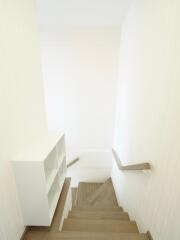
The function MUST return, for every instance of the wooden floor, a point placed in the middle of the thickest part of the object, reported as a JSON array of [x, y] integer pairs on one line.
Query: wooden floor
[[85, 190], [103, 196]]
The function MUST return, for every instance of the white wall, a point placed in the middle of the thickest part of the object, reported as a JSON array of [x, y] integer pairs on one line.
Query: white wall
[[80, 72], [148, 116], [21, 102], [56, 14]]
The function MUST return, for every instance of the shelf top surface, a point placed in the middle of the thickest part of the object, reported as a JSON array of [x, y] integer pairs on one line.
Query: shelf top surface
[[39, 150]]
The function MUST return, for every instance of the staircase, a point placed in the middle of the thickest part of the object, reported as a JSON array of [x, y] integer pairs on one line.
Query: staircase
[[96, 215]]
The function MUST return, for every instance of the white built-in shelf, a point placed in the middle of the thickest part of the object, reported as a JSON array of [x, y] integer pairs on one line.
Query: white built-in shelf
[[40, 173]]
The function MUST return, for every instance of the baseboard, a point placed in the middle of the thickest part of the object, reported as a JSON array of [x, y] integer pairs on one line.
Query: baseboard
[[149, 235]]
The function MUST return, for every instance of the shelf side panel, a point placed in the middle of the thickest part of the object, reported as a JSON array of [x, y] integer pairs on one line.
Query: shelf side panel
[[32, 193]]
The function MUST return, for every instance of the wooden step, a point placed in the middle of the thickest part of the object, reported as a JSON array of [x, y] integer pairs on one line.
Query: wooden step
[[85, 225], [85, 190], [103, 196], [70, 235], [98, 208], [99, 215]]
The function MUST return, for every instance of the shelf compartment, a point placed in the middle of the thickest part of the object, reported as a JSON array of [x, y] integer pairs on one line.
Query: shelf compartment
[[61, 159], [50, 164], [54, 189], [60, 149], [54, 205], [62, 173], [51, 179]]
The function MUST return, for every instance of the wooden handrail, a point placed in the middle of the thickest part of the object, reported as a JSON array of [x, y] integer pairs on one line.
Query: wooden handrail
[[134, 167], [72, 162]]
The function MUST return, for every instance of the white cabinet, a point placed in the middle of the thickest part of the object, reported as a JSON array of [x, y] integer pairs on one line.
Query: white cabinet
[[40, 172]]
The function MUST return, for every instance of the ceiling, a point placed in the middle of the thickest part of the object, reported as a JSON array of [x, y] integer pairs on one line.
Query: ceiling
[[54, 14]]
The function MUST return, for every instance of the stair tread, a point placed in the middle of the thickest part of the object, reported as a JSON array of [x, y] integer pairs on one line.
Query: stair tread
[[99, 215], [94, 211], [100, 225], [97, 221], [99, 208], [70, 235]]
